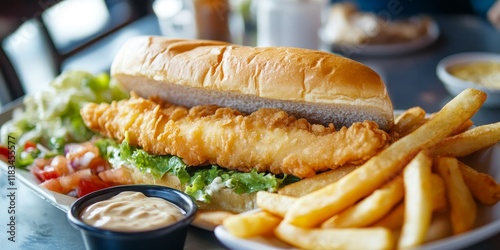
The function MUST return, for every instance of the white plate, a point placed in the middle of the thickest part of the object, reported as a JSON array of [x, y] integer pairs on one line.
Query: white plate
[[382, 49], [487, 223], [63, 202]]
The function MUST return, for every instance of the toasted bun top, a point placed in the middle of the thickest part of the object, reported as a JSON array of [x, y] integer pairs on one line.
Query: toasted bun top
[[319, 86]]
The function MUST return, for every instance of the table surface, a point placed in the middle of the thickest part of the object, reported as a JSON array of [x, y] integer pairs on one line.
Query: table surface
[[411, 81]]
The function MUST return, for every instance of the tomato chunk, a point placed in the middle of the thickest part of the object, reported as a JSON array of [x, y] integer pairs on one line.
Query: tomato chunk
[[4, 153], [29, 145], [60, 165], [90, 184], [53, 185], [44, 174], [116, 176], [98, 164]]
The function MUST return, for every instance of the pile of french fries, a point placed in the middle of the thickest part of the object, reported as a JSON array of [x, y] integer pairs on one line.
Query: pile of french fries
[[414, 191]]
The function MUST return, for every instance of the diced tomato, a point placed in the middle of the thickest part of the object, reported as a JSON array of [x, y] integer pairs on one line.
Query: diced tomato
[[72, 181], [44, 174], [90, 184], [76, 151], [98, 164], [29, 145], [4, 153], [45, 169], [60, 165], [54, 185], [76, 172], [42, 162], [66, 183], [118, 176]]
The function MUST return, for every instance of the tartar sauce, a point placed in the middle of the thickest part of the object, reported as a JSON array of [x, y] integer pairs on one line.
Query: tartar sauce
[[486, 74], [131, 212]]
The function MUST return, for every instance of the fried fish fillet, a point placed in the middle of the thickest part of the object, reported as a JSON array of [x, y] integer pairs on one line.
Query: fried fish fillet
[[268, 140]]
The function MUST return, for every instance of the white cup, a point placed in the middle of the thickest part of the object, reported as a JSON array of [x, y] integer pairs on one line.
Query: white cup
[[293, 23]]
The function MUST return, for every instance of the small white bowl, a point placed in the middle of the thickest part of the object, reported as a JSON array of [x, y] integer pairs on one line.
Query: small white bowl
[[456, 85]]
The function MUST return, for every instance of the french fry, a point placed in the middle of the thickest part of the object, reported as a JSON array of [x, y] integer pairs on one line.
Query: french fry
[[393, 220], [440, 227], [439, 200], [276, 204], [209, 220], [469, 141], [462, 206], [371, 208], [316, 182], [418, 200], [346, 238], [466, 125], [407, 120], [482, 186], [314, 208], [251, 224]]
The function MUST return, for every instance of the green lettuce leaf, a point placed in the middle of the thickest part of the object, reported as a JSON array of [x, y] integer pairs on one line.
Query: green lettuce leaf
[[204, 182], [157, 165], [200, 182]]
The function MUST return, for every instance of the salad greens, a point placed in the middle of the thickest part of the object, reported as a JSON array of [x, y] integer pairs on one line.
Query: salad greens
[[52, 118], [200, 182]]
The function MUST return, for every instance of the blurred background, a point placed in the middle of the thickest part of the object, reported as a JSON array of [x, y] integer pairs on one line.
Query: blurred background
[[41, 38]]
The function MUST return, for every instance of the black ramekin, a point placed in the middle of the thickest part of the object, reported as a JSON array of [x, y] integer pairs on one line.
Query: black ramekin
[[170, 237]]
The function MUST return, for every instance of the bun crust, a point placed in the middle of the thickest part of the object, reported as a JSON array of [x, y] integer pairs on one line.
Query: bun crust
[[319, 86]]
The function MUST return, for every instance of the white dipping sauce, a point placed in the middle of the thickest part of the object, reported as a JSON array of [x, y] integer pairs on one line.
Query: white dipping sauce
[[131, 212]]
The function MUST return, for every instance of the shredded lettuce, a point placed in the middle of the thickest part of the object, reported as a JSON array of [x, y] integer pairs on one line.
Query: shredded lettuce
[[106, 147], [52, 117], [206, 181], [157, 165], [200, 182]]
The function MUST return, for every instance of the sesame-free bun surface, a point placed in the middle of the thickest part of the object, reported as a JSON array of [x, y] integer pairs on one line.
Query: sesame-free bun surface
[[319, 86]]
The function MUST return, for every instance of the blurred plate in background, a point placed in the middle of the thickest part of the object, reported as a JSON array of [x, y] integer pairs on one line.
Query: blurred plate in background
[[393, 49]]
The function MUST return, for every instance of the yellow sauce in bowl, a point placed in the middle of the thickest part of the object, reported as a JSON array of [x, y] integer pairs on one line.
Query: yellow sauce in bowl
[[132, 212], [486, 74]]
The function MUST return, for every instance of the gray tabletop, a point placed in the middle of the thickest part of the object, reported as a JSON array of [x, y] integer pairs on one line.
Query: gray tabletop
[[411, 81]]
